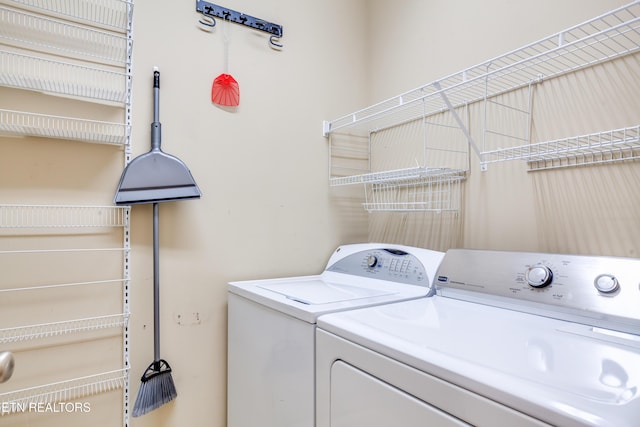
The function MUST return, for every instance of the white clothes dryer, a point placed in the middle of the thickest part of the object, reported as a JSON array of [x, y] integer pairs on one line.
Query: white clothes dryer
[[272, 322], [509, 339]]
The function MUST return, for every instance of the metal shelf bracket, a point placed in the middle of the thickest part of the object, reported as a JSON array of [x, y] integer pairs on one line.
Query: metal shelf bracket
[[212, 11], [456, 117]]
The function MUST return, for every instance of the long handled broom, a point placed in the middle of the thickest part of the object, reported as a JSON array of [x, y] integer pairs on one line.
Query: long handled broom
[[157, 386]]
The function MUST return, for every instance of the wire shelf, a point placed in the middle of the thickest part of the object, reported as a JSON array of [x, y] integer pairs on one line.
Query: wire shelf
[[80, 49], [434, 191], [53, 329], [62, 285], [48, 216], [399, 175], [114, 14], [595, 148], [410, 189], [46, 75], [27, 399], [601, 39], [22, 123], [65, 38]]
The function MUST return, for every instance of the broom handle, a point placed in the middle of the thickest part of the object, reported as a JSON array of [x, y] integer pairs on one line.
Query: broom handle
[[156, 283], [156, 139], [156, 127]]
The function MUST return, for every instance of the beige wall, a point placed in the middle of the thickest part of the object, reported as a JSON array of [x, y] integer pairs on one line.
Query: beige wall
[[267, 210]]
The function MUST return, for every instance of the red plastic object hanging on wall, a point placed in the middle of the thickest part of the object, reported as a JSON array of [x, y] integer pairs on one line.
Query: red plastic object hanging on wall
[[225, 91]]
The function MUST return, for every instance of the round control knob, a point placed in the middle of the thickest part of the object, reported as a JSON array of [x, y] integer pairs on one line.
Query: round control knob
[[606, 283], [372, 261], [539, 276]]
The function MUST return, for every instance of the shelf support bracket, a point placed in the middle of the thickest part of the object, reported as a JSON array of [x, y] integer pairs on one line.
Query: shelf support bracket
[[457, 118], [213, 11]]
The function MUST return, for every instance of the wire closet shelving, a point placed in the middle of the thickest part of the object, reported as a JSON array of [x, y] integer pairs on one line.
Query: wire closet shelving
[[19, 401], [70, 128], [600, 147], [79, 50], [604, 38], [76, 48], [39, 217]]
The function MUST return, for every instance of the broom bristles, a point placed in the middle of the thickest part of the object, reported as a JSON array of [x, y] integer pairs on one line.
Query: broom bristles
[[157, 388]]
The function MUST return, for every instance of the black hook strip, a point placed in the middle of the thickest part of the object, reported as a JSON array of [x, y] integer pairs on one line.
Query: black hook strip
[[214, 11]]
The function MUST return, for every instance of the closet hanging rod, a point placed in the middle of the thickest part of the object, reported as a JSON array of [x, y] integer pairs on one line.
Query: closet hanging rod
[[213, 11]]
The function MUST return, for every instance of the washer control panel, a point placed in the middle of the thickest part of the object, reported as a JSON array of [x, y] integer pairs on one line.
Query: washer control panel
[[394, 265], [590, 286]]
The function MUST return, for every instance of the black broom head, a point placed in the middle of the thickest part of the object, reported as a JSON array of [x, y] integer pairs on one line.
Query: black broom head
[[157, 388]]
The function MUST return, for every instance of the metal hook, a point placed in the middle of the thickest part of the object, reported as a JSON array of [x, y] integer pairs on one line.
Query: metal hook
[[273, 43], [208, 20]]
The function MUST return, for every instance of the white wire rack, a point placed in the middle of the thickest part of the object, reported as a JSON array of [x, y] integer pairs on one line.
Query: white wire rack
[[54, 46], [50, 216], [36, 335], [601, 39], [64, 285], [53, 329], [113, 14], [595, 148], [398, 175], [80, 49], [420, 189], [65, 78], [26, 400], [66, 38], [42, 125], [503, 85]]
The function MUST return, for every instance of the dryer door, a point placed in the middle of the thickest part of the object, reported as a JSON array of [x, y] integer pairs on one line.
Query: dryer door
[[359, 399]]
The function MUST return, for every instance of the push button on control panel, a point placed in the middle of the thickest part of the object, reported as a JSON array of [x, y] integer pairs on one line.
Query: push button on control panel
[[399, 265]]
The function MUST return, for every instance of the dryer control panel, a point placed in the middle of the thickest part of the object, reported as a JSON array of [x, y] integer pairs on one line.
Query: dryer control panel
[[390, 264], [596, 290]]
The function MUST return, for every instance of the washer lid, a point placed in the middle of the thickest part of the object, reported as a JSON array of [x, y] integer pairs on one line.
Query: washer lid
[[320, 292], [307, 297]]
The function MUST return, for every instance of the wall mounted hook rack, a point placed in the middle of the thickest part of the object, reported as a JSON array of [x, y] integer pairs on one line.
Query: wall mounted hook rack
[[213, 11]]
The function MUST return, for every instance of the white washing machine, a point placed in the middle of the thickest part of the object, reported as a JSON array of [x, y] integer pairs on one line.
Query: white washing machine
[[509, 339], [271, 331]]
